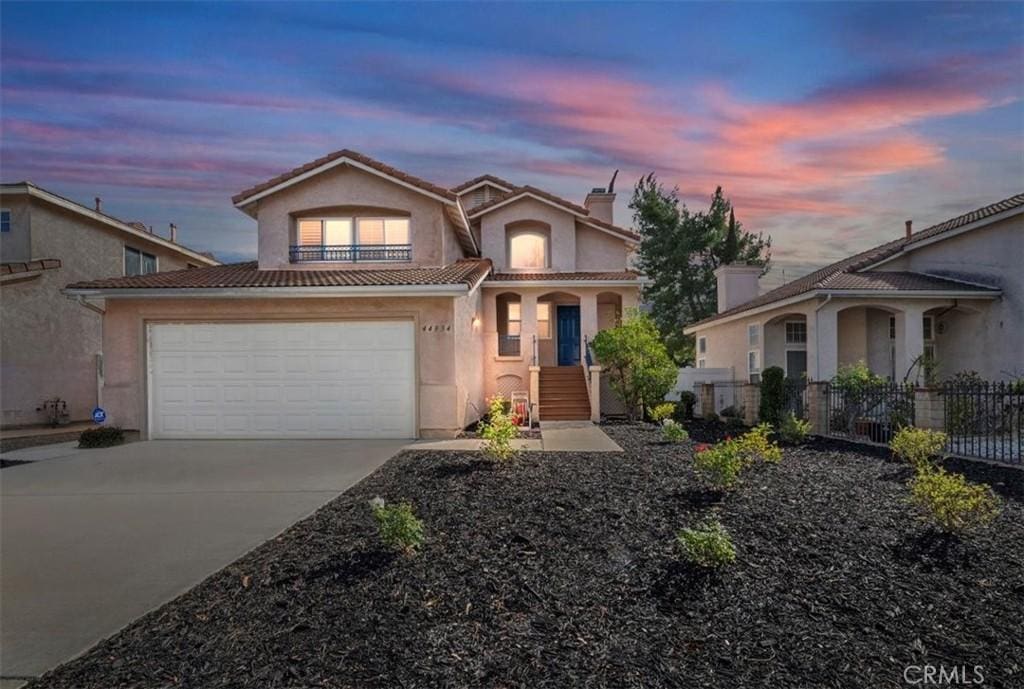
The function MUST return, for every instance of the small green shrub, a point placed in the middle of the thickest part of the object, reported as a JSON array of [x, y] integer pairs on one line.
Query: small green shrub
[[721, 464], [756, 444], [793, 429], [399, 528], [709, 545], [687, 402], [855, 377], [673, 431], [498, 431], [104, 436], [951, 504], [661, 412], [918, 446], [963, 415], [773, 395]]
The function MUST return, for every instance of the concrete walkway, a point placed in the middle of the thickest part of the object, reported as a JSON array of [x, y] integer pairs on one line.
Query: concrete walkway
[[556, 436], [94, 539]]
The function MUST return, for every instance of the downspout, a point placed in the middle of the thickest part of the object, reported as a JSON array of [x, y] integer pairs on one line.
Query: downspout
[[817, 346]]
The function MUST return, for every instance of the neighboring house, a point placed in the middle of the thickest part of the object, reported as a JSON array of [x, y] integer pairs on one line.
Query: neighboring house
[[381, 305], [950, 296], [50, 344]]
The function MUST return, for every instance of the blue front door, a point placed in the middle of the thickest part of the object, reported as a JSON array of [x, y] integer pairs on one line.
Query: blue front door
[[568, 335]]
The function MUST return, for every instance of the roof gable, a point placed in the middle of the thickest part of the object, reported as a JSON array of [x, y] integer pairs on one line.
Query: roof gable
[[854, 272]]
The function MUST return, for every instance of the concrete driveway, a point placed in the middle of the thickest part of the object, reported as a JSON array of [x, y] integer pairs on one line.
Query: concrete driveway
[[97, 538]]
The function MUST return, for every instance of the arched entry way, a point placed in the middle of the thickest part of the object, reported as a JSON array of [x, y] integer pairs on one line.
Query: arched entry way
[[561, 346]]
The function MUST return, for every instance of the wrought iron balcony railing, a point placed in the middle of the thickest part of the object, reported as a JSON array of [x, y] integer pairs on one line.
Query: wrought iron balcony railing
[[350, 253], [508, 345]]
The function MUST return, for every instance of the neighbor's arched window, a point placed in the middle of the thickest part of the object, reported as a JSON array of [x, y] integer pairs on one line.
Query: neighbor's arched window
[[528, 249]]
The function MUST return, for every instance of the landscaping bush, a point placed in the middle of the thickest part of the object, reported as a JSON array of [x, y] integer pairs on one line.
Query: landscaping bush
[[918, 446], [673, 431], [962, 414], [793, 429], [639, 368], [104, 436], [499, 430], [773, 395], [756, 444], [687, 403], [720, 465], [709, 545], [661, 412], [951, 504], [855, 378], [399, 528]]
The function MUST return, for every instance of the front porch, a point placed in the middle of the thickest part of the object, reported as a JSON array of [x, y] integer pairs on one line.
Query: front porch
[[543, 333], [910, 340]]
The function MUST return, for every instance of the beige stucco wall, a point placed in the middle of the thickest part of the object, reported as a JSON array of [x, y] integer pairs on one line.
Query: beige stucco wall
[[987, 341], [596, 250], [16, 245], [563, 232], [49, 344], [347, 190], [439, 336], [469, 352]]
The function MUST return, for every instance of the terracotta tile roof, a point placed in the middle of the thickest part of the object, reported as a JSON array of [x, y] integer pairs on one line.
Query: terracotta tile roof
[[477, 211], [848, 268], [29, 266], [898, 280], [463, 271], [351, 155], [625, 276], [527, 189], [483, 178]]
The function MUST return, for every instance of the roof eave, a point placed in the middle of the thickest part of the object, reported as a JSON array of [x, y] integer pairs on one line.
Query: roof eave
[[563, 283], [271, 292]]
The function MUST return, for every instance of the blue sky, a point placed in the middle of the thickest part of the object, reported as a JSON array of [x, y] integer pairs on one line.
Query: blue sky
[[828, 124]]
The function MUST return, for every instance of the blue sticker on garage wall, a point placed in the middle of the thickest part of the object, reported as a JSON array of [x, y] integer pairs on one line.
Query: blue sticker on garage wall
[[98, 415]]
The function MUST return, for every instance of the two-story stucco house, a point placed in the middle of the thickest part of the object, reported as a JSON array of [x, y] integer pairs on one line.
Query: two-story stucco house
[[380, 305], [950, 297], [51, 345]]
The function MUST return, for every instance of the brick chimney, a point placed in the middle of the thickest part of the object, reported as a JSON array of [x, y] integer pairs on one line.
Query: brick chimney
[[737, 284], [174, 232], [601, 201], [910, 224]]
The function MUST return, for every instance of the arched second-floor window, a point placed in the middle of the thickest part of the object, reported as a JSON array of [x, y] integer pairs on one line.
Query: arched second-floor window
[[528, 249]]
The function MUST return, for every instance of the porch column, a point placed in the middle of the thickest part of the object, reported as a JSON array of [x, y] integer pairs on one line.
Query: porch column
[[595, 394], [528, 327], [823, 343], [909, 342], [588, 321]]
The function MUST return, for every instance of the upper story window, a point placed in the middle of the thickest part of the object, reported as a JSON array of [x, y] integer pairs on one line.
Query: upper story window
[[5, 220], [352, 239], [138, 262], [753, 334], [796, 332], [528, 249]]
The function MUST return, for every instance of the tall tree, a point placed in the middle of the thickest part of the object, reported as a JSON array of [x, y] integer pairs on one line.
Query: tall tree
[[679, 252]]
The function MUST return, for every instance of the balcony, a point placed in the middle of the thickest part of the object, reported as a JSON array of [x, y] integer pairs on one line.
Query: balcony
[[350, 253], [508, 345]]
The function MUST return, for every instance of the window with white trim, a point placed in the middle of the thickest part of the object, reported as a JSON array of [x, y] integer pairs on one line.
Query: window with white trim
[[753, 335], [796, 332], [754, 365], [702, 345], [544, 320], [137, 262], [701, 363], [928, 328], [892, 327], [352, 239], [5, 220], [930, 352], [515, 319]]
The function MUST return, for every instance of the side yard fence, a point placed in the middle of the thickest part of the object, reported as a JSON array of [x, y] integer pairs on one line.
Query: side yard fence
[[981, 420]]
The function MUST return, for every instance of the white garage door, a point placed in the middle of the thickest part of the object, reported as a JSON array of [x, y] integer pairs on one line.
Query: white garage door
[[282, 380]]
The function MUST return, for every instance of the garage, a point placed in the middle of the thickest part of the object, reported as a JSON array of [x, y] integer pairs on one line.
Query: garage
[[336, 379]]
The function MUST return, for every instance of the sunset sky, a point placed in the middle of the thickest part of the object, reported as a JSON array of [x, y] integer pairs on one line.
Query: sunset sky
[[827, 124]]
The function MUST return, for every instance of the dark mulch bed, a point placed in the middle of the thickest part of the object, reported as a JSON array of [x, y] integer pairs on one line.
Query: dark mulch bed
[[561, 572]]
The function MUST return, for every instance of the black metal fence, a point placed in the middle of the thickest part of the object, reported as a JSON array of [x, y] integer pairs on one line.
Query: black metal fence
[[869, 413], [795, 398], [349, 253], [985, 420]]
